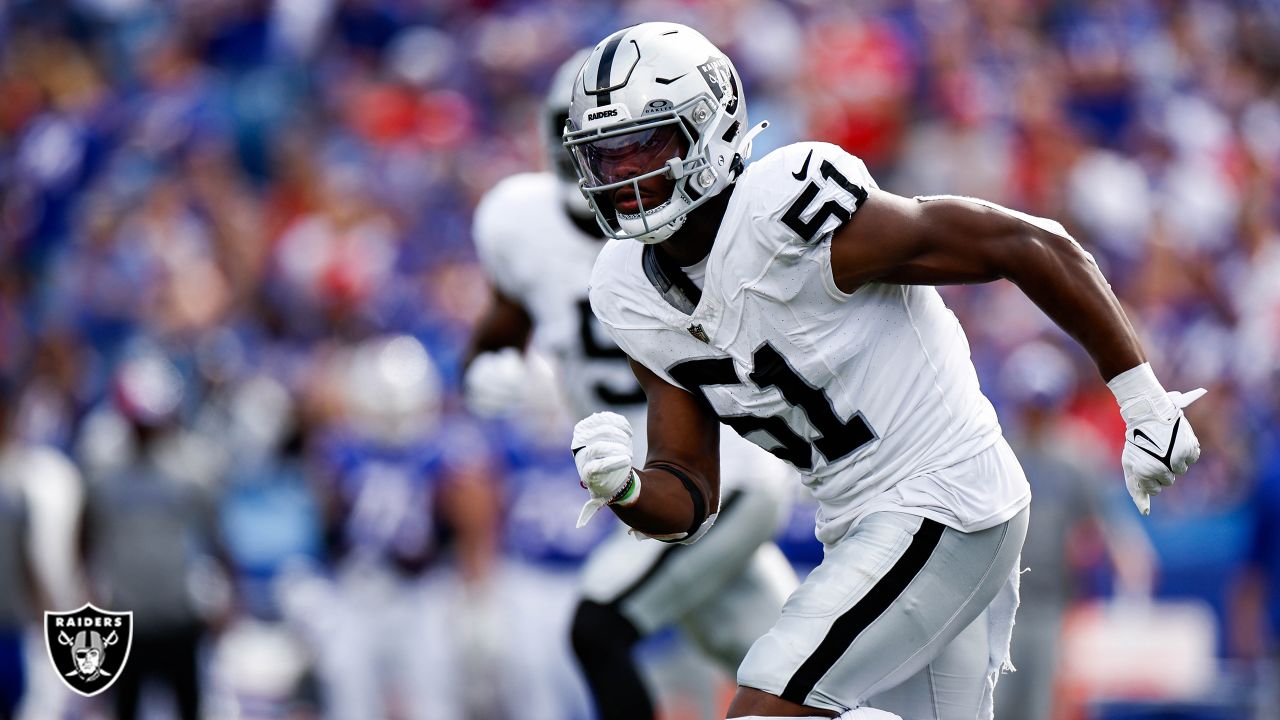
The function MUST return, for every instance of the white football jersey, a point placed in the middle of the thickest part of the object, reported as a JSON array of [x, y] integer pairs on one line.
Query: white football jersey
[[535, 255], [872, 396]]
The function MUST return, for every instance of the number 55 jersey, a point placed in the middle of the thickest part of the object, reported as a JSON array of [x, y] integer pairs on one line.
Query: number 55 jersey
[[872, 395]]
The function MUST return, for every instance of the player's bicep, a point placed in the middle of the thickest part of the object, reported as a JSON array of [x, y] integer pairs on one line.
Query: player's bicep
[[681, 428], [913, 242]]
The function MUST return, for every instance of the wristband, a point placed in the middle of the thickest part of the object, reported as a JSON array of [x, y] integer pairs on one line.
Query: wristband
[[630, 491], [1140, 394]]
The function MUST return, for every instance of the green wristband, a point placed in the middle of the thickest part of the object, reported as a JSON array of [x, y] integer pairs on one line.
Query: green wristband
[[629, 492]]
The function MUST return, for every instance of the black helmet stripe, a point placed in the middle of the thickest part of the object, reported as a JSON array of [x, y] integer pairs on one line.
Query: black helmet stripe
[[604, 70], [606, 67]]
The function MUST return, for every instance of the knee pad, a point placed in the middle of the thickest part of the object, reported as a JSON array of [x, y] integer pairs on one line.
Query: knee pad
[[601, 630]]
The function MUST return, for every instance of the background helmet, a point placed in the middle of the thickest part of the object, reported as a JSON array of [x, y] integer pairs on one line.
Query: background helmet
[[555, 113], [656, 99], [394, 393]]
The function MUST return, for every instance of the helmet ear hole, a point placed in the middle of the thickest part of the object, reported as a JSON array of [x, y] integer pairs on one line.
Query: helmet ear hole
[[737, 166]]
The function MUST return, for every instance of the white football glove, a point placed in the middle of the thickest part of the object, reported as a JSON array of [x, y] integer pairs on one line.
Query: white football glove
[[1159, 443], [602, 451], [496, 383]]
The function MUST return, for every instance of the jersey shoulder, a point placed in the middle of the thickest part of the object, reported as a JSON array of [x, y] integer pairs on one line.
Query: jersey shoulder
[[620, 293], [503, 211], [502, 228], [775, 183], [785, 205]]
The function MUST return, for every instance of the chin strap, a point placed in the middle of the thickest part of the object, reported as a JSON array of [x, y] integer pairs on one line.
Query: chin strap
[[744, 150]]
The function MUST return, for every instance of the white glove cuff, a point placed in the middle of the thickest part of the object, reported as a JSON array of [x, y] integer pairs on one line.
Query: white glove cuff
[[627, 495], [1141, 395], [630, 492]]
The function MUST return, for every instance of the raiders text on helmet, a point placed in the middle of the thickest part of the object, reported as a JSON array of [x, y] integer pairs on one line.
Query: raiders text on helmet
[[656, 99]]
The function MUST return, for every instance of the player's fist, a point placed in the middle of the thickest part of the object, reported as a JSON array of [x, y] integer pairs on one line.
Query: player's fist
[[1159, 443], [496, 383], [602, 451]]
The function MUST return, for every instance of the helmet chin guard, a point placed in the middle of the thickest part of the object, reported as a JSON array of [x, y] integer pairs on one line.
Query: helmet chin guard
[[655, 100], [667, 217]]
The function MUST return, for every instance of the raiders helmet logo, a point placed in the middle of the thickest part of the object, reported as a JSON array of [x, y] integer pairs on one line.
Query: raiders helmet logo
[[88, 647], [719, 77]]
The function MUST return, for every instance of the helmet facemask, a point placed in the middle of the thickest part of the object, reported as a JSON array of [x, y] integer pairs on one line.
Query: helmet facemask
[[624, 154]]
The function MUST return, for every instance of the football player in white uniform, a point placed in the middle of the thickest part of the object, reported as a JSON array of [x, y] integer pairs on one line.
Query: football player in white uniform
[[538, 241], [791, 299]]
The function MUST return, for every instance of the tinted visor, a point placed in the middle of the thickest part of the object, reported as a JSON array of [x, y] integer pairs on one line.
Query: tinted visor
[[621, 157]]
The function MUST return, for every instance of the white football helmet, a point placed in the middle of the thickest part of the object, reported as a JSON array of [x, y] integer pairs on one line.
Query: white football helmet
[[555, 113], [656, 99], [393, 391]]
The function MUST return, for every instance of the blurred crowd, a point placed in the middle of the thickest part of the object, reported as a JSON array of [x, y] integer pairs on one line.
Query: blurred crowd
[[237, 281]]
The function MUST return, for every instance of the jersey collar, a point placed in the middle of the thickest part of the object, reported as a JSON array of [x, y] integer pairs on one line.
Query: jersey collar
[[670, 281]]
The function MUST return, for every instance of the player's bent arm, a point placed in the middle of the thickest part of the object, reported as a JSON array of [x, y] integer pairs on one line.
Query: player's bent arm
[[684, 451], [496, 380], [957, 240], [675, 495], [506, 324]]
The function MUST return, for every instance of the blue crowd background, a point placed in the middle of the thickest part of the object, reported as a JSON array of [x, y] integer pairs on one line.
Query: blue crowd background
[[209, 207]]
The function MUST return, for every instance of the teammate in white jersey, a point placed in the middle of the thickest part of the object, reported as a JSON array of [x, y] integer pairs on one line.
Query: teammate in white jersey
[[791, 299], [538, 240]]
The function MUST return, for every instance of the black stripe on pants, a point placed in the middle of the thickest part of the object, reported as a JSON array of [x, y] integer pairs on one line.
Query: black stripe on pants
[[845, 630]]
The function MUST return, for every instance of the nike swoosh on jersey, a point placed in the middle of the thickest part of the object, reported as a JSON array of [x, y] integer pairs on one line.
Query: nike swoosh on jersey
[[1164, 459], [804, 169]]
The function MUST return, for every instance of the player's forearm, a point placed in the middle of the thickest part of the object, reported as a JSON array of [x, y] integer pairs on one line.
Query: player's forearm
[[486, 340], [506, 325], [1060, 278], [668, 504]]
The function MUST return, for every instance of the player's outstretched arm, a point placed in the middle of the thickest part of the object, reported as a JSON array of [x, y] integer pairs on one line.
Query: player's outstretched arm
[[947, 240], [951, 240], [675, 496]]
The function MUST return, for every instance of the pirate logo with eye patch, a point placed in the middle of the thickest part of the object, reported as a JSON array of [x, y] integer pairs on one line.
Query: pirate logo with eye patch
[[88, 647]]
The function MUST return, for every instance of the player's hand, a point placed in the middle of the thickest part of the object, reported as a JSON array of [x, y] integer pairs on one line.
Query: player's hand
[[602, 451], [496, 383], [1159, 443]]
